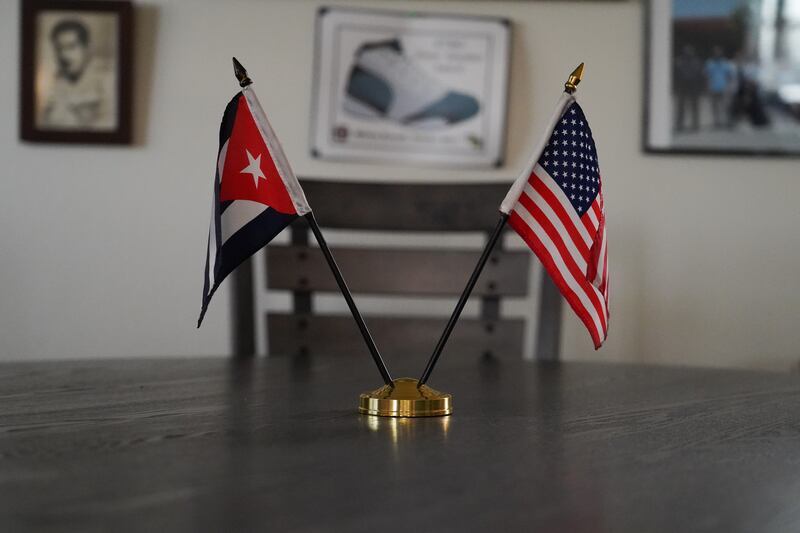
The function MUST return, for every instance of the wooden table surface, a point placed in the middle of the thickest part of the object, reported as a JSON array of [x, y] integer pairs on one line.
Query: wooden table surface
[[276, 445]]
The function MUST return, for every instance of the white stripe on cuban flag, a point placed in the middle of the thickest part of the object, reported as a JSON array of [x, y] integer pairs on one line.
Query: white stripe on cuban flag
[[238, 215], [213, 245]]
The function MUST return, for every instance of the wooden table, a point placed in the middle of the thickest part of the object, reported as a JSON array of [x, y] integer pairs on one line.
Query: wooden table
[[276, 445]]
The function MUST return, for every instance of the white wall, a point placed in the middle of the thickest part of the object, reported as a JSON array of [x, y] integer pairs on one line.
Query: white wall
[[102, 248]]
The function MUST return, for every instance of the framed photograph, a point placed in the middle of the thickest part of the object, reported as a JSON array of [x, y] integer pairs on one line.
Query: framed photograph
[[76, 71], [401, 87], [723, 77]]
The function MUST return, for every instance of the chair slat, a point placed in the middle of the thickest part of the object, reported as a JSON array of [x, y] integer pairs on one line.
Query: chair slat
[[424, 272], [336, 335], [405, 207]]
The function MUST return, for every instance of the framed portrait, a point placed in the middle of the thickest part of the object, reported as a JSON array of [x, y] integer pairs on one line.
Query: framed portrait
[[75, 82], [410, 87], [723, 77]]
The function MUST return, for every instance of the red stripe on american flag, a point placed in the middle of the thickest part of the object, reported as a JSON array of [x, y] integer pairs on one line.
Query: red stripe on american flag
[[540, 173], [547, 260], [574, 270], [538, 185], [592, 222], [578, 274], [604, 281], [594, 271]]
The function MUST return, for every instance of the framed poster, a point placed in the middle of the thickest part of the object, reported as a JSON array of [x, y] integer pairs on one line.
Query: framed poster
[[723, 77], [75, 71], [410, 87]]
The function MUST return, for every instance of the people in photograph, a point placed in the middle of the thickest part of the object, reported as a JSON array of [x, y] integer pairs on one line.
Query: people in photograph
[[748, 102], [688, 82], [720, 78], [79, 96]]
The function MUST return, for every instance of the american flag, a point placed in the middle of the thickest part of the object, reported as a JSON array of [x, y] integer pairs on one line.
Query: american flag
[[558, 211]]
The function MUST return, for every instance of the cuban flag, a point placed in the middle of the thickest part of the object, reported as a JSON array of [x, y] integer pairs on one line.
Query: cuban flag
[[256, 194]]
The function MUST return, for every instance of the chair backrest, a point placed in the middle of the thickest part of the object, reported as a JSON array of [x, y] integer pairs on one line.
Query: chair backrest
[[391, 271]]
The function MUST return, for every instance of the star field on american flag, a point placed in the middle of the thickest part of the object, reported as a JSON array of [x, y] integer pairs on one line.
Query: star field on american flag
[[570, 157]]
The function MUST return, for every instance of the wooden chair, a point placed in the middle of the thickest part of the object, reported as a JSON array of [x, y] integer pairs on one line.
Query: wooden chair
[[300, 268]]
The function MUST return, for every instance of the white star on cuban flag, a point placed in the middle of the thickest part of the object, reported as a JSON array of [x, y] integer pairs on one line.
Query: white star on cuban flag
[[254, 168]]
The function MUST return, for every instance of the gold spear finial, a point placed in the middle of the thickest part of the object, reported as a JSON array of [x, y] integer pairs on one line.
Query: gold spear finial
[[574, 79], [241, 74]]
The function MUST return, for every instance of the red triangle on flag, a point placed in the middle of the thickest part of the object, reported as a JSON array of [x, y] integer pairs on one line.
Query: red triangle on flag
[[250, 172]]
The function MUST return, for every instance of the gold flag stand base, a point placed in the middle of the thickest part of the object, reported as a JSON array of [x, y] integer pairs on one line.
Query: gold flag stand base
[[405, 399]]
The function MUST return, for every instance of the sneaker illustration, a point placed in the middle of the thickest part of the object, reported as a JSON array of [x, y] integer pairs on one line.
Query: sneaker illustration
[[383, 83]]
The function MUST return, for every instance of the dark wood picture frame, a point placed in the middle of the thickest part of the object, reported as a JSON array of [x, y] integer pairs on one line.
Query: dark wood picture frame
[[29, 131]]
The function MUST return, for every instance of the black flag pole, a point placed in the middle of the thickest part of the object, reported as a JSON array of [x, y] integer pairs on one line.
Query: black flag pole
[[348, 297], [569, 87], [244, 81], [462, 300]]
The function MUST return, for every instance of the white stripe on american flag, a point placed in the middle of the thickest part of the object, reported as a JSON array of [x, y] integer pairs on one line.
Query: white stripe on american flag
[[565, 237], [595, 297], [604, 284], [573, 285], [593, 216], [543, 175], [601, 268], [548, 212], [592, 299]]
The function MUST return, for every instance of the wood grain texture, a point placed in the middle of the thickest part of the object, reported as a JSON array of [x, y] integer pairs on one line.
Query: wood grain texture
[[397, 337], [275, 445], [416, 271]]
